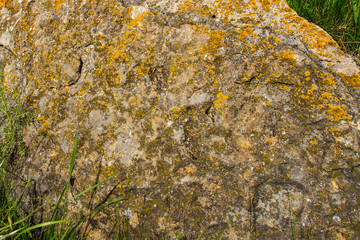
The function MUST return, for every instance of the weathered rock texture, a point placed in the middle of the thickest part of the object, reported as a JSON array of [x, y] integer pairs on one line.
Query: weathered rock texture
[[210, 111]]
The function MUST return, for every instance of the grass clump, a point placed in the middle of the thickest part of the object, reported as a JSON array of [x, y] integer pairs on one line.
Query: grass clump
[[340, 18], [57, 226], [14, 223], [13, 119]]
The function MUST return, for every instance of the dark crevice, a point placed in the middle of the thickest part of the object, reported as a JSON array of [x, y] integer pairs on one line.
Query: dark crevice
[[334, 170], [356, 166], [207, 112], [282, 83], [274, 126], [12, 52], [78, 73], [252, 78], [324, 120], [159, 76]]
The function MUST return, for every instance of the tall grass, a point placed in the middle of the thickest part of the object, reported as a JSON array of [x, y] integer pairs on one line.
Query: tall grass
[[340, 18], [14, 223], [13, 118]]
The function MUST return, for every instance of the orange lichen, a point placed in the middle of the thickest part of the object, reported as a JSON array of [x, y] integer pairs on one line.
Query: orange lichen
[[219, 103], [214, 42], [265, 4], [222, 97], [287, 55], [243, 33], [138, 19], [277, 40], [176, 112], [337, 113], [58, 3], [353, 81], [4, 2], [286, 88]]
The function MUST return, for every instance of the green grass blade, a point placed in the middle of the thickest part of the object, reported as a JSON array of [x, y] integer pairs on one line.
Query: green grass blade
[[293, 233], [3, 160], [72, 231], [200, 236], [72, 163], [41, 225], [177, 237], [56, 210], [6, 111], [22, 194], [356, 10], [66, 189], [222, 232], [94, 186], [19, 221], [54, 215], [10, 234]]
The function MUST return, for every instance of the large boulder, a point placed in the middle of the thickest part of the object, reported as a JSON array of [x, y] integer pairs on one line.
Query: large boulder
[[214, 112]]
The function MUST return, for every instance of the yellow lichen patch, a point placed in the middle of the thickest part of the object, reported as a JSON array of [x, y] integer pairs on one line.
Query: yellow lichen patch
[[4, 2], [286, 88], [265, 4], [327, 80], [322, 40], [243, 33], [219, 103], [287, 55], [138, 18], [277, 40], [222, 97], [338, 152], [291, 32], [111, 169], [353, 81], [317, 39], [58, 3], [214, 42], [311, 90], [187, 5], [337, 113], [326, 95], [304, 97], [176, 112]]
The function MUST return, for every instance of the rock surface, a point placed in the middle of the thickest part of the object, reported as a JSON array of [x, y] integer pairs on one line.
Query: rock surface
[[213, 112]]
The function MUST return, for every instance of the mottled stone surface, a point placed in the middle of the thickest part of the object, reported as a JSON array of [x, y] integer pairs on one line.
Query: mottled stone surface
[[210, 111]]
